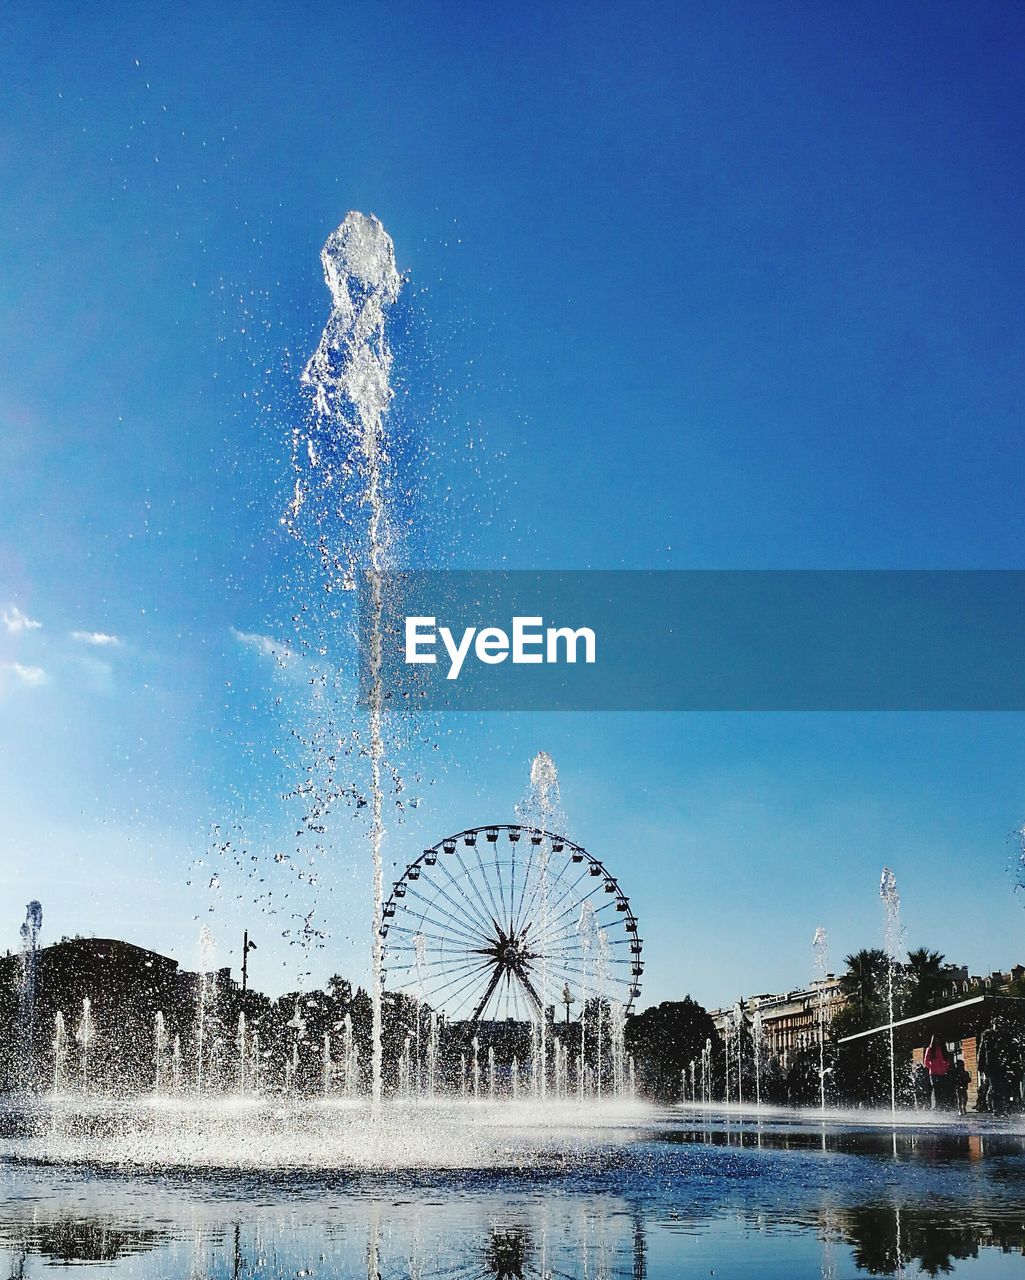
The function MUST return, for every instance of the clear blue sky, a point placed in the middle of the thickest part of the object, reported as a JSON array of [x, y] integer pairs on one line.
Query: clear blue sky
[[691, 286]]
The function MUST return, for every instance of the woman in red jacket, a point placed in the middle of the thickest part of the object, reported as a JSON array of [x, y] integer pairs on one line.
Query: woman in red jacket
[[937, 1063]]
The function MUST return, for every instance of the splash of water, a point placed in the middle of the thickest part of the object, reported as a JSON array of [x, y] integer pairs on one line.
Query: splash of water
[[84, 1039], [341, 456], [27, 994], [758, 1048], [738, 1024], [542, 808], [159, 1050], [894, 947], [1019, 862], [820, 948], [205, 993], [60, 1050]]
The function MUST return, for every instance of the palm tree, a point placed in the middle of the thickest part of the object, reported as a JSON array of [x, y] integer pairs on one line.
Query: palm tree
[[926, 980], [863, 986]]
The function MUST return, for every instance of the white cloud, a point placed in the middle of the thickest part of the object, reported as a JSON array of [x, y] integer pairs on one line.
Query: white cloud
[[31, 676], [280, 650], [99, 638], [15, 620]]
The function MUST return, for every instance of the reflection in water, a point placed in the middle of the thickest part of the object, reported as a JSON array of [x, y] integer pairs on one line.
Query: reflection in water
[[64, 1238], [922, 1145], [505, 1255], [378, 1237], [885, 1240], [775, 1204]]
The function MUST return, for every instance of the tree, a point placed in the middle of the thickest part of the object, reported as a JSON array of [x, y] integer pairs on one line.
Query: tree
[[863, 987], [664, 1039], [927, 981]]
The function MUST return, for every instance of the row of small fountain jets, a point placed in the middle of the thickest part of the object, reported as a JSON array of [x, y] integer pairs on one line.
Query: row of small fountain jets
[[561, 1075], [696, 1079]]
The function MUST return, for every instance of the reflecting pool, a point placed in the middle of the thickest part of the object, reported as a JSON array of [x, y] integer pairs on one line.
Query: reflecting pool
[[677, 1193]]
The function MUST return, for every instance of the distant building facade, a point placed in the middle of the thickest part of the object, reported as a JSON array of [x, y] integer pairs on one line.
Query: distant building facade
[[125, 985], [790, 1020]]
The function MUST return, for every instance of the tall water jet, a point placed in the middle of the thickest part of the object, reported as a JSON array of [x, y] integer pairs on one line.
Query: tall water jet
[[159, 1050], [738, 1023], [820, 948], [346, 447], [205, 993], [758, 1046], [586, 931], [325, 1083], [84, 1039], [240, 1044], [60, 1050], [297, 1025], [27, 993], [894, 946], [432, 1055], [542, 809], [255, 1073], [476, 1066]]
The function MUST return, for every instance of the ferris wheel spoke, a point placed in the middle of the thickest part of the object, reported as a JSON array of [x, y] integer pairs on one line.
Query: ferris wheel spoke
[[590, 981], [570, 890], [484, 920], [489, 991], [517, 914], [473, 920], [563, 928], [540, 881], [512, 890], [534, 999], [445, 940], [414, 930], [538, 888], [472, 883], [445, 979], [459, 922], [498, 915], [471, 983], [575, 905], [501, 882]]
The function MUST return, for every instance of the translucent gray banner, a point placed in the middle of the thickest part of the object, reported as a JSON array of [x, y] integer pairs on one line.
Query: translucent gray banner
[[700, 641]]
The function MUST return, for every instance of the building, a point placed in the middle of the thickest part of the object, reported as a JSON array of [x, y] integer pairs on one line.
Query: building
[[958, 1025], [106, 990], [790, 1020]]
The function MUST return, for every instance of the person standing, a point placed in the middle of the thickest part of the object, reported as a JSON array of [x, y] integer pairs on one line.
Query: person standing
[[962, 1079], [937, 1063]]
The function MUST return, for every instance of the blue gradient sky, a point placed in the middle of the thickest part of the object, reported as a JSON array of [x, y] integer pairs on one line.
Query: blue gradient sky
[[689, 288]]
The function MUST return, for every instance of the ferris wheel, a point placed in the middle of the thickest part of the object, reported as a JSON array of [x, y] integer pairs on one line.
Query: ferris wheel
[[506, 921]]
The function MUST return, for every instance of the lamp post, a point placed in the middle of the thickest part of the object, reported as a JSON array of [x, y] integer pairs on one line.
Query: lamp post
[[247, 946]]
